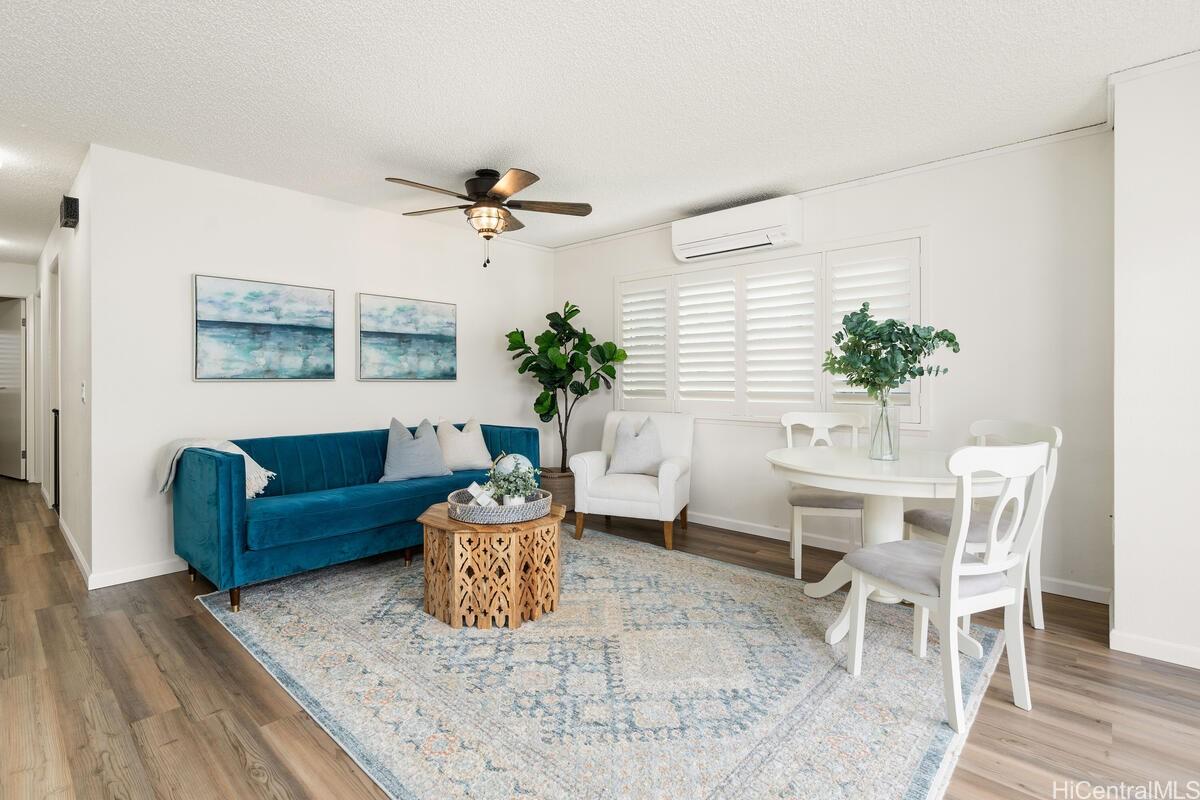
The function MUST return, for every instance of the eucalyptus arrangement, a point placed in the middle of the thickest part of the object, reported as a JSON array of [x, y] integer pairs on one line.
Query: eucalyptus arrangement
[[569, 364], [512, 478], [880, 356]]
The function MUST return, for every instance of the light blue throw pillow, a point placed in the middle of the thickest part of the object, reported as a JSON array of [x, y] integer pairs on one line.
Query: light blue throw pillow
[[411, 456], [636, 451]]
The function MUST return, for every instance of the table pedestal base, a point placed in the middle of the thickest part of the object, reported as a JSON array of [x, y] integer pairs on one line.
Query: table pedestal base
[[883, 521]]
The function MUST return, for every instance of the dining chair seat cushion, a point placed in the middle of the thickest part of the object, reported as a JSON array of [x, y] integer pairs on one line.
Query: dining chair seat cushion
[[916, 566], [938, 521], [815, 498]]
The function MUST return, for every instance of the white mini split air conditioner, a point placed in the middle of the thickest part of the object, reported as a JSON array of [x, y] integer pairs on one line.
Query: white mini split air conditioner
[[769, 225]]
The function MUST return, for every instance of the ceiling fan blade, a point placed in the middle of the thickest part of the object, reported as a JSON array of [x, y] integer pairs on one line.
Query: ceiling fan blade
[[512, 182], [514, 224], [427, 187], [547, 207], [434, 210]]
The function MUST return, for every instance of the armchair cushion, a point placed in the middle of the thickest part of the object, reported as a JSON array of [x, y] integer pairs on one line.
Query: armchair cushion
[[635, 488]]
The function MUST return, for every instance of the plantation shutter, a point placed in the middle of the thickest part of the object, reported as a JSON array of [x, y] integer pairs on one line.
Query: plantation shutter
[[782, 348], [706, 326], [644, 380], [886, 276]]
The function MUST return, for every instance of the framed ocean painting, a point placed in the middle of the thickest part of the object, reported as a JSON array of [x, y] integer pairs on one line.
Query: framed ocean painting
[[400, 339], [257, 331]]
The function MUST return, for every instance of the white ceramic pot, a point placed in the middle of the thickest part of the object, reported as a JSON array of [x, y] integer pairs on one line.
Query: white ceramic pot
[[511, 500]]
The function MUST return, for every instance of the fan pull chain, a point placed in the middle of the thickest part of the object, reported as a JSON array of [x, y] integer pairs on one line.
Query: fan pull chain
[[487, 252]]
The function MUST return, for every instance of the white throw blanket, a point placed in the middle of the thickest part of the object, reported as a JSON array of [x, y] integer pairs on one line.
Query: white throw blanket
[[256, 477]]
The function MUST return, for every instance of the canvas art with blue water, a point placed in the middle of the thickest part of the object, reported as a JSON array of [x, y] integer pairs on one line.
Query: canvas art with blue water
[[249, 330], [405, 340]]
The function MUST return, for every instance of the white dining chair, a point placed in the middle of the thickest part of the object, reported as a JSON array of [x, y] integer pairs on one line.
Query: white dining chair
[[820, 502], [934, 524], [945, 583]]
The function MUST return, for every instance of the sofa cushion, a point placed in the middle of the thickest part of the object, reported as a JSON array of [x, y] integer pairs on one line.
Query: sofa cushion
[[320, 461], [276, 521]]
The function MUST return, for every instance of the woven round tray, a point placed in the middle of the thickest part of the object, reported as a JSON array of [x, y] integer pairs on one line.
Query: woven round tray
[[462, 510]]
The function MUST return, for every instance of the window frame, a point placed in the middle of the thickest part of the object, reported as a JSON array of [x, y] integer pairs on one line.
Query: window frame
[[917, 417]]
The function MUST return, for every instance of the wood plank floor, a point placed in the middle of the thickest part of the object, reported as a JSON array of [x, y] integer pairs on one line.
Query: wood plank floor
[[135, 691]]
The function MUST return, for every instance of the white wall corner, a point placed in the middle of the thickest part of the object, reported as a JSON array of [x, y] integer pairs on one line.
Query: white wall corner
[[85, 569], [135, 573]]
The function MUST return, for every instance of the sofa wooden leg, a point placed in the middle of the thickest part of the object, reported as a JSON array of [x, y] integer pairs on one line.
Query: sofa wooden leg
[[235, 599], [608, 520], [683, 518], [668, 529], [408, 553], [579, 520], [191, 573]]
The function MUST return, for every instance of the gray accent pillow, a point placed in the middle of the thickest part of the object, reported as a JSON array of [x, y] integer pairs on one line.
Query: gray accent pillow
[[636, 452], [411, 456]]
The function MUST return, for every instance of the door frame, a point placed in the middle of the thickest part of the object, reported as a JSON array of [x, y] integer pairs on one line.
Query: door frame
[[26, 444]]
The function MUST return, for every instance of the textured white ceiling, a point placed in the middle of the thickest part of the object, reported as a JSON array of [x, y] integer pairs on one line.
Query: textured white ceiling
[[650, 111], [35, 171]]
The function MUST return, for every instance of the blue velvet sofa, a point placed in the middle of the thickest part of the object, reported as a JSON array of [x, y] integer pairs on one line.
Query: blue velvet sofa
[[324, 506]]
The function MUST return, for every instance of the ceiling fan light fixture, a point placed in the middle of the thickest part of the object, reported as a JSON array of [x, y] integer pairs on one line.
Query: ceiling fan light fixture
[[488, 219]]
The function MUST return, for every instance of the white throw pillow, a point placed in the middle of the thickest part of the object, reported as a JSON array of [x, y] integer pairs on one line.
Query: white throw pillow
[[636, 452], [463, 449]]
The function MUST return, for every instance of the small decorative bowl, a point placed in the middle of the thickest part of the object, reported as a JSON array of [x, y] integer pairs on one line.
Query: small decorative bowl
[[535, 505]]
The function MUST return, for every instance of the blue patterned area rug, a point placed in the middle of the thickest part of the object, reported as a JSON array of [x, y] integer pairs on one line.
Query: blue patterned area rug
[[661, 675]]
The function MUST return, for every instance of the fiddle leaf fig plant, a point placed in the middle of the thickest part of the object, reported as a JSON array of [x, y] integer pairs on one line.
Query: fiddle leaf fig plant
[[880, 356], [568, 363]]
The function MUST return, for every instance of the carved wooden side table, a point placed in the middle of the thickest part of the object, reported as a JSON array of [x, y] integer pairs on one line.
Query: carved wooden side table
[[490, 575]]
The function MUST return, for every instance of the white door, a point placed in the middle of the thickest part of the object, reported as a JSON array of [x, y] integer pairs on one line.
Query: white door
[[12, 388]]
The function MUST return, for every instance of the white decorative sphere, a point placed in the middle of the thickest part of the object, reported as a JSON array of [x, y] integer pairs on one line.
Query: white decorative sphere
[[511, 463]]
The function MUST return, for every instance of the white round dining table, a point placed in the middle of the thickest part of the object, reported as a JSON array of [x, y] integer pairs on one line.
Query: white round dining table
[[883, 486]]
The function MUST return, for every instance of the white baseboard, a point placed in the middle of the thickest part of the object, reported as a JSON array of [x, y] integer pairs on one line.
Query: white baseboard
[[1080, 591], [739, 526], [136, 573], [1160, 649], [46, 496], [85, 569], [839, 544]]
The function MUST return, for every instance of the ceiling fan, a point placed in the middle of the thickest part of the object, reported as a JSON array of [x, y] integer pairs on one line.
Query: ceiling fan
[[488, 207]]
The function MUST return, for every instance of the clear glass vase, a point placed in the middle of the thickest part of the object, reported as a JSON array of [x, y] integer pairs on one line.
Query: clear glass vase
[[885, 435]]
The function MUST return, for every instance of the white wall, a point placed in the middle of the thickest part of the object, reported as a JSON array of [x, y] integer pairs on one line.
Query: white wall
[[18, 280], [69, 251], [1157, 278], [1020, 267], [158, 223]]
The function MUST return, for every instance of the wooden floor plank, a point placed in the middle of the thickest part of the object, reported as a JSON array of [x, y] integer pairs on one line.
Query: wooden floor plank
[[137, 689], [33, 756], [322, 767], [139, 685], [176, 761], [248, 756], [20, 640]]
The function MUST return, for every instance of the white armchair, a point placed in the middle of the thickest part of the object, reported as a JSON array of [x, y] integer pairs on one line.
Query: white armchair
[[663, 497]]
